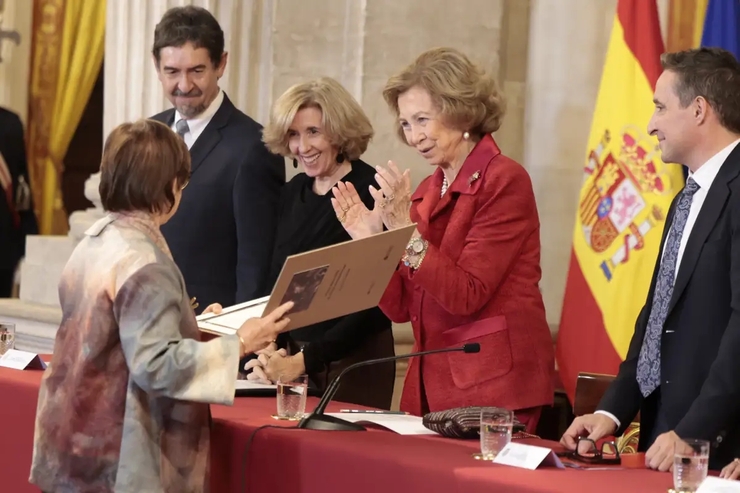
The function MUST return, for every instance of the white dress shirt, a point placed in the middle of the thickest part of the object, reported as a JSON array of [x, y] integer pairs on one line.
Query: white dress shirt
[[704, 177], [198, 124]]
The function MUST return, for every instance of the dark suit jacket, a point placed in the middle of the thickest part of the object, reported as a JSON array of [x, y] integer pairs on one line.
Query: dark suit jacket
[[222, 235], [12, 147], [700, 344]]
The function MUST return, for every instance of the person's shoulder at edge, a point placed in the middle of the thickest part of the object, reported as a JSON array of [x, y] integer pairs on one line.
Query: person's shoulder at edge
[[8, 113]]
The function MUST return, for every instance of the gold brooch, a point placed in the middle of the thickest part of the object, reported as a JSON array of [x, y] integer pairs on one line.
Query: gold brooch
[[473, 177]]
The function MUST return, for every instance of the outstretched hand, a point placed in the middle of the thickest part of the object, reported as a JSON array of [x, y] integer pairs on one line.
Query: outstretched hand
[[258, 333], [357, 220]]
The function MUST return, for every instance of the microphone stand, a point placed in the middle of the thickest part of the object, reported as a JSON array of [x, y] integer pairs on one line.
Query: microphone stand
[[317, 420]]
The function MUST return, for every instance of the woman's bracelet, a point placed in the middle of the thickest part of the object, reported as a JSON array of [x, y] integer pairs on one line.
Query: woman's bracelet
[[242, 346]]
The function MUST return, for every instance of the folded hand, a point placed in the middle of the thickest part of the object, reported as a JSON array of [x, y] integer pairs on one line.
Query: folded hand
[[731, 470], [282, 366]]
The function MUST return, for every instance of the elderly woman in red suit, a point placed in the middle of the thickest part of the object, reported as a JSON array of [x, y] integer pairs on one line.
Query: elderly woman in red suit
[[471, 269]]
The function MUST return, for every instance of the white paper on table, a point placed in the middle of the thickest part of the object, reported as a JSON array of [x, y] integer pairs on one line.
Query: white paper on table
[[714, 484], [403, 424], [252, 385], [21, 360], [527, 456], [230, 319]]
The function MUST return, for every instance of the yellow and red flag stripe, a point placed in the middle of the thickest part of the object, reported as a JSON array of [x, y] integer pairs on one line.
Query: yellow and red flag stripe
[[625, 197]]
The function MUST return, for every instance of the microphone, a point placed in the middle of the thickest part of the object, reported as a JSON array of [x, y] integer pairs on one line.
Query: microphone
[[317, 420]]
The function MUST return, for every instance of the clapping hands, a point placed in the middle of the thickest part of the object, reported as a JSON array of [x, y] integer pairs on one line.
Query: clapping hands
[[357, 220], [392, 203], [394, 197]]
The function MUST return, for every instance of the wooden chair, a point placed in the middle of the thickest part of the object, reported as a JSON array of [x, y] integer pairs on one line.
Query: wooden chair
[[590, 387]]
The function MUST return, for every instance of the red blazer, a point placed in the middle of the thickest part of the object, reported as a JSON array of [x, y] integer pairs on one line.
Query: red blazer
[[478, 283]]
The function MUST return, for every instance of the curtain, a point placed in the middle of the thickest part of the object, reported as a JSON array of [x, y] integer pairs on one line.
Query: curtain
[[685, 24], [67, 54]]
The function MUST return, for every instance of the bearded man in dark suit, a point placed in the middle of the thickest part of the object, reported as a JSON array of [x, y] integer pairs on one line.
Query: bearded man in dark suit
[[222, 235]]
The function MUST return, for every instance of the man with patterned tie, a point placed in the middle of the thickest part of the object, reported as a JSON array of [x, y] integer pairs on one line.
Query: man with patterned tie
[[17, 218], [222, 235], [682, 370]]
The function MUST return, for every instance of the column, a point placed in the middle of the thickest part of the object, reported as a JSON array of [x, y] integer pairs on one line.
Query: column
[[15, 17]]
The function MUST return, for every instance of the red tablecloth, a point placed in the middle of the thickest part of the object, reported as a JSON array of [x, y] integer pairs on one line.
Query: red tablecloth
[[297, 461]]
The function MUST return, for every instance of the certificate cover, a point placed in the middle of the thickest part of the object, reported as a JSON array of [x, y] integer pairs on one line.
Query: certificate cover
[[325, 283]]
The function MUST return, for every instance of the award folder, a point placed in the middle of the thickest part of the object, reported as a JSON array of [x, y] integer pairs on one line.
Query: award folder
[[323, 284]]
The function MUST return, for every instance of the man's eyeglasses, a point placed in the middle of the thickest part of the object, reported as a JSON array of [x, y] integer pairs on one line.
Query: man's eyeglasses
[[588, 451]]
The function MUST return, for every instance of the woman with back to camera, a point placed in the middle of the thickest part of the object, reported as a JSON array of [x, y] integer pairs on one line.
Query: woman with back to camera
[[324, 130], [471, 269], [123, 406]]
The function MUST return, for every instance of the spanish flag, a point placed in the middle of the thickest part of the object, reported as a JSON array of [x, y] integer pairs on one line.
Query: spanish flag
[[624, 200]]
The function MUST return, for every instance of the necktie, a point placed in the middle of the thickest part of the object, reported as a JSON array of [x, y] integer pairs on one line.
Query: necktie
[[648, 364], [182, 128]]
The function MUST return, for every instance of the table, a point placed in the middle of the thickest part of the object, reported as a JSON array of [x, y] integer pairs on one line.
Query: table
[[295, 461]]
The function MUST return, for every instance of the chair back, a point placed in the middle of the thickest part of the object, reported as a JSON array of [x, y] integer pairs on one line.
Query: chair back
[[590, 387]]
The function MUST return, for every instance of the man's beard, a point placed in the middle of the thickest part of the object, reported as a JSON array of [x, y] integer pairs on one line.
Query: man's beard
[[188, 110]]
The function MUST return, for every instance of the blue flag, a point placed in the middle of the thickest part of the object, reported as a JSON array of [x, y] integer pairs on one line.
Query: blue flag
[[721, 26], [721, 29]]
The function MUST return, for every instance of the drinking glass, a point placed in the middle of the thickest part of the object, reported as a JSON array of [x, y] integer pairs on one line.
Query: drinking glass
[[690, 464], [7, 337], [495, 430], [291, 397]]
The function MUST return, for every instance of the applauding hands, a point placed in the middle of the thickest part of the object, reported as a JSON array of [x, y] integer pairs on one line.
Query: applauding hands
[[392, 203], [357, 220]]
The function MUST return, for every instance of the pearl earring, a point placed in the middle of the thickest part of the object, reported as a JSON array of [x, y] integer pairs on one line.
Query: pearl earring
[[466, 136]]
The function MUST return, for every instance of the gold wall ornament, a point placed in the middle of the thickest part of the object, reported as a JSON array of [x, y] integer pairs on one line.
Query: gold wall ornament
[[10, 35]]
